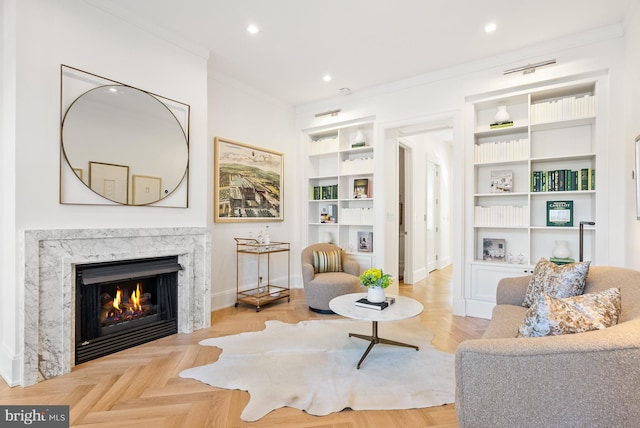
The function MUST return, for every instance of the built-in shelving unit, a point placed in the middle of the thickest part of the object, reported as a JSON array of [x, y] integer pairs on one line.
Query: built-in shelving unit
[[341, 189], [518, 168]]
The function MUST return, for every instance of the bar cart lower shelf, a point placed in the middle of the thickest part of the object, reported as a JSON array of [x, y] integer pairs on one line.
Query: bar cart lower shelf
[[261, 294]]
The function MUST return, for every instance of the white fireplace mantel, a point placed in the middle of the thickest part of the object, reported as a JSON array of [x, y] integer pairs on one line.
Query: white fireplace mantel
[[50, 257]]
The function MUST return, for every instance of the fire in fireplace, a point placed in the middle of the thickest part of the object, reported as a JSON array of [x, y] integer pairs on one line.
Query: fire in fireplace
[[123, 304]]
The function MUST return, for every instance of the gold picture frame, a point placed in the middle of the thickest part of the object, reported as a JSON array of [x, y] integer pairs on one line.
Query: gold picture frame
[[110, 181], [249, 183], [146, 189]]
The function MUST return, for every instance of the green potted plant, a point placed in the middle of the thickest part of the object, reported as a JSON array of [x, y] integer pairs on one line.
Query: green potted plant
[[375, 281]]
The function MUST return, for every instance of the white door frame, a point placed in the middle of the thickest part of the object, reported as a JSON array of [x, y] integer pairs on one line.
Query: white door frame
[[408, 211], [387, 133]]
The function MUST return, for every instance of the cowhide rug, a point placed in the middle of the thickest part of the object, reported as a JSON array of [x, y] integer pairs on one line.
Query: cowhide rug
[[311, 366]]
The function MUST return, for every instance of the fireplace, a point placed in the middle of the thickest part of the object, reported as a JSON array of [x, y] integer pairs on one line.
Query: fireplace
[[124, 304], [51, 258]]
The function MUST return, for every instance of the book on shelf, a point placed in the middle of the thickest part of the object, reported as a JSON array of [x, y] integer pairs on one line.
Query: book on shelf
[[561, 180], [561, 261], [587, 179], [501, 181], [499, 125], [361, 188], [560, 213], [324, 192], [364, 303], [360, 144]]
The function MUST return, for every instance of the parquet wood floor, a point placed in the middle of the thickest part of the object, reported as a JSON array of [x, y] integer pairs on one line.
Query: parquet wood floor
[[140, 387]]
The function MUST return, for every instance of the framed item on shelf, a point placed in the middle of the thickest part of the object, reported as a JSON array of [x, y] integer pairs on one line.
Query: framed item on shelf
[[248, 183], [560, 213], [365, 242], [110, 181], [494, 250], [329, 213], [361, 188], [501, 181]]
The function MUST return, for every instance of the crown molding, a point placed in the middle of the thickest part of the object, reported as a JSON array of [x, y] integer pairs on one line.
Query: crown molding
[[497, 61], [150, 27]]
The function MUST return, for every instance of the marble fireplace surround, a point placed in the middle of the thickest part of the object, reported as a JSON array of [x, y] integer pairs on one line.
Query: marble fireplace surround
[[50, 257]]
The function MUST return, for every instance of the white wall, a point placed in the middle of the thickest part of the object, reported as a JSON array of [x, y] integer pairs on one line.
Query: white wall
[[75, 33], [632, 129], [240, 113]]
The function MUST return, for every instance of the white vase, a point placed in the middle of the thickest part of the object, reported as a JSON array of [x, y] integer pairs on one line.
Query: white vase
[[360, 138], [502, 115], [327, 238], [375, 294], [561, 250]]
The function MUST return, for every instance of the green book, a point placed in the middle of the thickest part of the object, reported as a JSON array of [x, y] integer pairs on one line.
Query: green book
[[559, 261], [560, 213]]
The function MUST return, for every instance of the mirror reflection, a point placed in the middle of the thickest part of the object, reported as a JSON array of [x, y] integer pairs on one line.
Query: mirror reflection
[[125, 145]]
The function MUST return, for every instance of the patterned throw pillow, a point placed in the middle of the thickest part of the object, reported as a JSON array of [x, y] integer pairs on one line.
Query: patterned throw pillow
[[549, 316], [327, 261], [557, 281]]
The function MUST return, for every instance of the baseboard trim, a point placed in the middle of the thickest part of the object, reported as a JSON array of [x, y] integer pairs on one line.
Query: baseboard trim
[[479, 309], [458, 307], [10, 368]]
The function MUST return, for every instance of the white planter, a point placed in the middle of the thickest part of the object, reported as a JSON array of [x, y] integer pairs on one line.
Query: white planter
[[375, 294]]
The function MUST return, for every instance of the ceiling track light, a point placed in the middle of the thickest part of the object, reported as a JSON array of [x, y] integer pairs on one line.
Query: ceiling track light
[[329, 113], [529, 68]]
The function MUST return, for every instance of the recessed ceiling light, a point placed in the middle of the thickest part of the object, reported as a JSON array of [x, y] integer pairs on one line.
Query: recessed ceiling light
[[490, 28], [326, 78], [253, 29]]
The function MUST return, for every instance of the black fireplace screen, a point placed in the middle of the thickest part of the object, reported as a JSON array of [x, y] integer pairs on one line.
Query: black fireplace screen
[[124, 304]]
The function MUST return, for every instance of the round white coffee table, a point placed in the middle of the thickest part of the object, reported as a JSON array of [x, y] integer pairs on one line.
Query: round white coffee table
[[403, 308]]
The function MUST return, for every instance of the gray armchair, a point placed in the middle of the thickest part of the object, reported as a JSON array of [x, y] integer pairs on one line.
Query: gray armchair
[[320, 288]]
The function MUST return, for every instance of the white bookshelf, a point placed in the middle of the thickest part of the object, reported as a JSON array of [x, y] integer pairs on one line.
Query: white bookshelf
[[554, 129], [334, 168]]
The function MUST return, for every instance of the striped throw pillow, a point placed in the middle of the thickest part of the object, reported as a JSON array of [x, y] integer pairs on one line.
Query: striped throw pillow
[[327, 261]]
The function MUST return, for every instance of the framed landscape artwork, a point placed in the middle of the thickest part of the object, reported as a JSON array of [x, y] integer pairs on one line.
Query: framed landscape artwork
[[248, 183]]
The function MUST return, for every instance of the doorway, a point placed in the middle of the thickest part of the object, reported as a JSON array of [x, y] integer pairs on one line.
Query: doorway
[[425, 159]]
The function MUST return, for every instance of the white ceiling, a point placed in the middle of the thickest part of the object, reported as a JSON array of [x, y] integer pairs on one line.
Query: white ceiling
[[361, 43]]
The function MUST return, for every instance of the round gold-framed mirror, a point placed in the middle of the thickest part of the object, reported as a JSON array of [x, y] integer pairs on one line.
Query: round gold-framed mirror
[[125, 144]]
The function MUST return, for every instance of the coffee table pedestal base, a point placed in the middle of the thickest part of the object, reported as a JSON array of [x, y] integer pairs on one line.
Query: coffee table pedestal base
[[374, 339]]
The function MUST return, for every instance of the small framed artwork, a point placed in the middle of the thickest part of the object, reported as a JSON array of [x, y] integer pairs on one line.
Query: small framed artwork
[[110, 181], [494, 250], [361, 188], [146, 189], [560, 213], [365, 242], [501, 181], [249, 183]]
